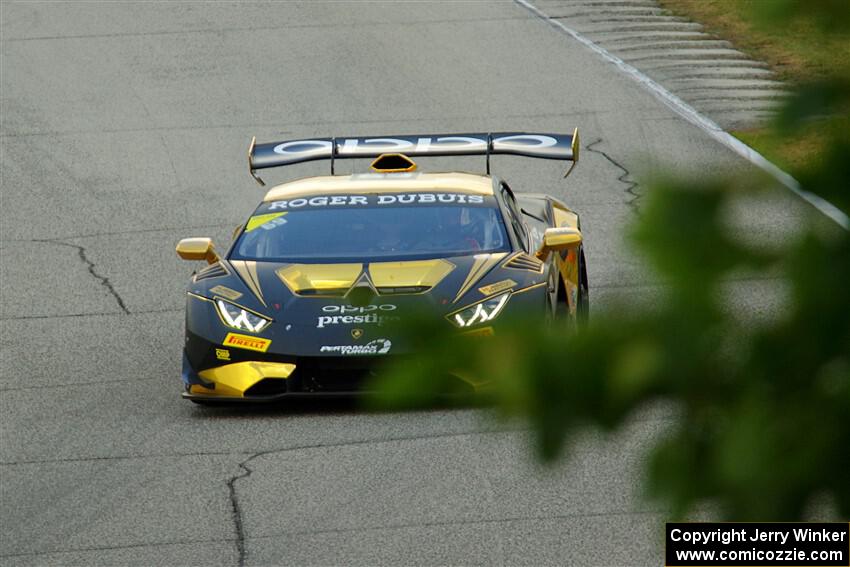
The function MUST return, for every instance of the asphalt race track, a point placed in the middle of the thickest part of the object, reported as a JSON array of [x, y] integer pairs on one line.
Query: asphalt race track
[[125, 128]]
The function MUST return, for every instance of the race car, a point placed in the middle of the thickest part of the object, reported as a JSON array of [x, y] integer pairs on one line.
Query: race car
[[305, 299]]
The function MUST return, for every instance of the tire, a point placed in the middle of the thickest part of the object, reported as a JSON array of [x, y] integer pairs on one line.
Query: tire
[[554, 305], [562, 309], [583, 307]]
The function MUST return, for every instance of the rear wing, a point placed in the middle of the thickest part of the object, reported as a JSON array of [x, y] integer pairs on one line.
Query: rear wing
[[545, 146]]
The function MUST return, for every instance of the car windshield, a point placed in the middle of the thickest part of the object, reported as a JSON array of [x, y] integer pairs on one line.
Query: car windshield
[[364, 227]]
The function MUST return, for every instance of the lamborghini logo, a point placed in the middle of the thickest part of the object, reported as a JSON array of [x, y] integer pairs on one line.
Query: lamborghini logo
[[356, 333]]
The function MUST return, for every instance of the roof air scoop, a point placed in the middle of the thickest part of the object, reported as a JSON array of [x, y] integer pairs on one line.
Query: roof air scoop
[[393, 163]]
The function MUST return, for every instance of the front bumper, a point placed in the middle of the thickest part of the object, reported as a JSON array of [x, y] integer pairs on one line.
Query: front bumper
[[261, 381], [268, 379]]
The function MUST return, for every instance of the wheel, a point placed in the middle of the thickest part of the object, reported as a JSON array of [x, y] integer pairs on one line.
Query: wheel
[[554, 292], [583, 307], [562, 309]]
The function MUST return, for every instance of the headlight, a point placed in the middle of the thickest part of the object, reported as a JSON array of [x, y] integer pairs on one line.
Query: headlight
[[480, 312], [239, 318]]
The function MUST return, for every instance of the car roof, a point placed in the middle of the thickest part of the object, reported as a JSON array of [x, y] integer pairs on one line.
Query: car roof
[[382, 183]]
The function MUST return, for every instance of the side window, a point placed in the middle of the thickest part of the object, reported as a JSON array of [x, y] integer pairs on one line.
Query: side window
[[515, 216]]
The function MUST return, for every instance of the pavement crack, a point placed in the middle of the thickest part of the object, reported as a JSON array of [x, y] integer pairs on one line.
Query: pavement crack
[[78, 384], [631, 185], [251, 455], [122, 232], [109, 314], [122, 458], [462, 522], [254, 29], [104, 281], [236, 508], [535, 519]]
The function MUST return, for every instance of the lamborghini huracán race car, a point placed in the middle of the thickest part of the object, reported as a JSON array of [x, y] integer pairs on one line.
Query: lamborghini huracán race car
[[300, 302]]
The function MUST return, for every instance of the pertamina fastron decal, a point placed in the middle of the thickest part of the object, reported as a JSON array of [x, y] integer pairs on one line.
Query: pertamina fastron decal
[[377, 346]]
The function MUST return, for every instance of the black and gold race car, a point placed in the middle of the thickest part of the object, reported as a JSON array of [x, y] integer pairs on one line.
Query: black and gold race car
[[302, 301]]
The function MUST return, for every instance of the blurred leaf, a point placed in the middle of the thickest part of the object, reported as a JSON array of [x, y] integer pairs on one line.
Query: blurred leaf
[[827, 16], [819, 99], [761, 425]]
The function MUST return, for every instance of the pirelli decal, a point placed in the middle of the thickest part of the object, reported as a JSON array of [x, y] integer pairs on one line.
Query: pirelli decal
[[247, 342]]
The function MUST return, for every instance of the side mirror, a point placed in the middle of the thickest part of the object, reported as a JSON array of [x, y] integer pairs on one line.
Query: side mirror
[[557, 239], [236, 231], [197, 249]]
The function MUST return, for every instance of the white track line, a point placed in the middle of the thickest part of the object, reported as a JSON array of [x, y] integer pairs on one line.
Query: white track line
[[693, 116]]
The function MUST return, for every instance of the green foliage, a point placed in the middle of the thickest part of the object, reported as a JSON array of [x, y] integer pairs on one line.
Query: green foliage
[[762, 412], [826, 16]]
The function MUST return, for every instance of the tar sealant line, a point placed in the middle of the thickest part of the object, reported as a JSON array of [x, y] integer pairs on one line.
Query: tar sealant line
[[690, 114]]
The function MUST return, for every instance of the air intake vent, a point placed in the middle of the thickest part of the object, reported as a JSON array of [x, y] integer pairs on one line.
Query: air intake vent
[[266, 387], [327, 292], [523, 261], [403, 290], [212, 271], [393, 163]]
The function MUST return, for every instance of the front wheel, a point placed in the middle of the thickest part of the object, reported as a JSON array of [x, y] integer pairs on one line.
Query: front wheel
[[562, 309]]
